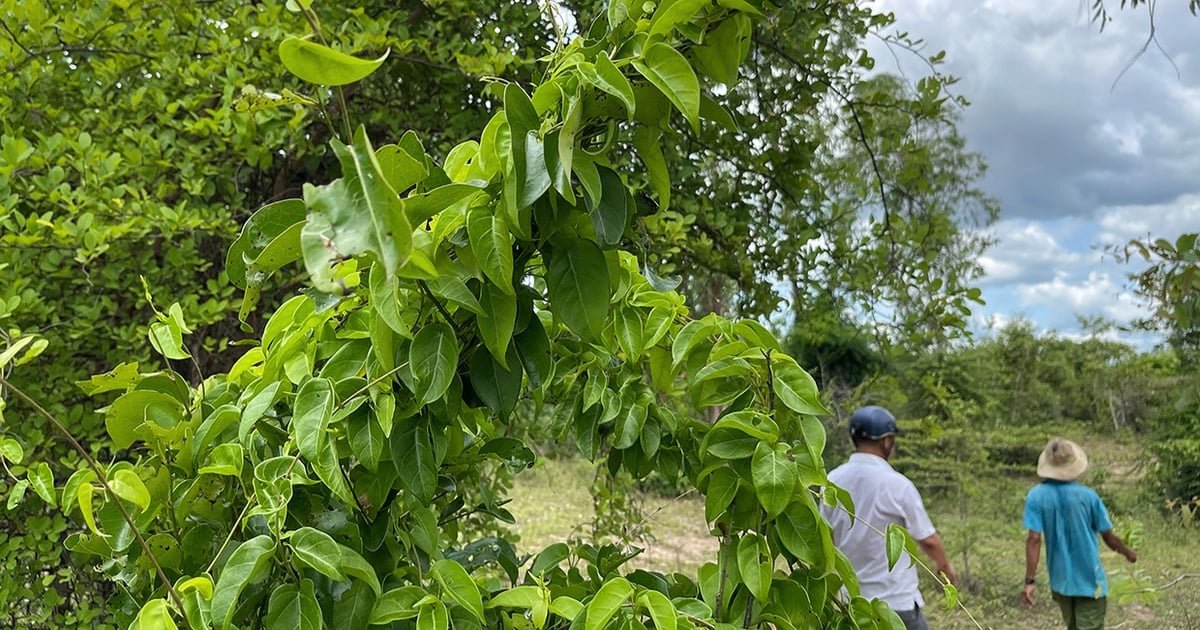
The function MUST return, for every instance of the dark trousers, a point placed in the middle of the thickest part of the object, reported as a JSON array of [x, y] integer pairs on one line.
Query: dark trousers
[[913, 619]]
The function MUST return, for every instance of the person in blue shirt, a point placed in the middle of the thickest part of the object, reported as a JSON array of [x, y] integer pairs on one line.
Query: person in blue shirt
[[1067, 516]]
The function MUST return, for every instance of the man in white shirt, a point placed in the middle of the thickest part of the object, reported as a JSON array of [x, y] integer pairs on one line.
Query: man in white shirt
[[882, 497]]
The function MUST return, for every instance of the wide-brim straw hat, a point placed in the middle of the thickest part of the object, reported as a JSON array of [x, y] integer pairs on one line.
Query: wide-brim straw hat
[[1062, 459]]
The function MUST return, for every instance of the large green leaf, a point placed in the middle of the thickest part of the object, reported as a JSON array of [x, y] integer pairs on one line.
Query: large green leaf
[[314, 408], [412, 451], [800, 532], [401, 169], [774, 477], [433, 616], [127, 419], [250, 562], [366, 439], [722, 488], [724, 49], [671, 13], [315, 549], [662, 611], [492, 245], [671, 73], [577, 278], [497, 386], [754, 564], [610, 214], [397, 604], [532, 179], [795, 387], [434, 360], [292, 608], [354, 565], [353, 607], [608, 600], [496, 321], [355, 215], [320, 64], [269, 240], [457, 583], [648, 143], [533, 348], [154, 615]]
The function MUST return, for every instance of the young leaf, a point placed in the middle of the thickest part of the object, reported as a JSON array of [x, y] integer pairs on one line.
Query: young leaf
[[155, 615], [17, 494], [671, 73], [126, 484], [42, 481], [292, 608], [434, 360], [12, 451], [774, 477], [320, 64], [457, 583], [523, 597]]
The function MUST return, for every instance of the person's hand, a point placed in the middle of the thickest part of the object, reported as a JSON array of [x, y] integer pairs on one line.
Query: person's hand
[[948, 573], [1130, 554], [1027, 595]]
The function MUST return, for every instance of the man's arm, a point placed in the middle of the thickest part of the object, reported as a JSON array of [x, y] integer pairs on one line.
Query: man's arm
[[932, 546], [1033, 549], [1114, 542]]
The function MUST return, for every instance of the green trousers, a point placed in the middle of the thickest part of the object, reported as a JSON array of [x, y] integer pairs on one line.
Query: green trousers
[[1082, 613]]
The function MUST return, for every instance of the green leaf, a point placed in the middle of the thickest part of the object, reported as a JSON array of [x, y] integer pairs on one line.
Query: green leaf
[[566, 607], [496, 321], [167, 339], [608, 600], [577, 278], [754, 565], [774, 477], [401, 169], [292, 608], [354, 565], [42, 480], [317, 550], [310, 421], [671, 73], [532, 179], [670, 13], [951, 593], [329, 470], [352, 609], [412, 451], [12, 451], [550, 557], [225, 459], [691, 335], [419, 208], [127, 418], [458, 584], [492, 245], [662, 611], [154, 615], [320, 64], [126, 484], [433, 617], [648, 143], [269, 240], [498, 387], [722, 488], [795, 387], [724, 49], [814, 436], [533, 349], [434, 360], [397, 604], [605, 76], [17, 494], [122, 377], [523, 597], [799, 531], [610, 214], [250, 562], [366, 439], [355, 215]]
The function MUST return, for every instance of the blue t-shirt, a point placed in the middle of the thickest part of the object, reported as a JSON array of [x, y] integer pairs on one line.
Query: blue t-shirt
[[1069, 516]]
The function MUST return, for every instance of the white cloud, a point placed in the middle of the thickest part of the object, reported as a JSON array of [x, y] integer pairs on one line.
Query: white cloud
[[1025, 251], [1167, 220]]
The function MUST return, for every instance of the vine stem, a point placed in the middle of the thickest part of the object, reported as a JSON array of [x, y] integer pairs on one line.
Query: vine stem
[[100, 476]]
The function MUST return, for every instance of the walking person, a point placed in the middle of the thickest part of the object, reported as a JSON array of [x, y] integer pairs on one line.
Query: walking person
[[1068, 515], [883, 497]]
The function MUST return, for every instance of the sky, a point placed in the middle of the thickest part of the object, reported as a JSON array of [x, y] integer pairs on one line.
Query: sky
[[1079, 155]]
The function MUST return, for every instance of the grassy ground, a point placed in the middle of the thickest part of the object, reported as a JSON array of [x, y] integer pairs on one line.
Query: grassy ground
[[981, 527]]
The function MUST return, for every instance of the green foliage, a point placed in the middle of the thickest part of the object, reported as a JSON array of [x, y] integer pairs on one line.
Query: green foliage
[[326, 477]]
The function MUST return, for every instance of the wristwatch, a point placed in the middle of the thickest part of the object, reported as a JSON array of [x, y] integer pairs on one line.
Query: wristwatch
[[1029, 581]]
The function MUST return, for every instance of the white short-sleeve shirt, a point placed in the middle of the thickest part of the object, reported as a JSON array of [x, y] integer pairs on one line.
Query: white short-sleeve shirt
[[881, 497]]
